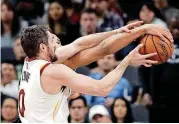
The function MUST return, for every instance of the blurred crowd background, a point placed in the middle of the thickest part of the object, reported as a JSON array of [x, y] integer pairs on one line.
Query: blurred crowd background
[[142, 94]]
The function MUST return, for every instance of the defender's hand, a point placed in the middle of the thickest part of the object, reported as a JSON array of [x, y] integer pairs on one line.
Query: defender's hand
[[128, 27], [136, 59], [158, 31]]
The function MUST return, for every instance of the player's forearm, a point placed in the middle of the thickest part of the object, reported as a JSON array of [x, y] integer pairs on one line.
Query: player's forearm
[[109, 81], [94, 39], [66, 52], [119, 41]]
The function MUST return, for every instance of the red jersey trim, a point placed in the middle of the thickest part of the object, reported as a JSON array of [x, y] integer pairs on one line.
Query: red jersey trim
[[43, 67]]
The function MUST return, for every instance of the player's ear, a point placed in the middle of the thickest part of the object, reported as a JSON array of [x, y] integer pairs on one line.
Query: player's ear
[[43, 47]]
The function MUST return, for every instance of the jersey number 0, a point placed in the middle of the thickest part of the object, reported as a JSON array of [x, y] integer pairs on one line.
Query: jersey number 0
[[21, 102]]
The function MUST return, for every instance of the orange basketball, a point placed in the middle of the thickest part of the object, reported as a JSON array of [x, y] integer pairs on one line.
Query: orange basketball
[[164, 49]]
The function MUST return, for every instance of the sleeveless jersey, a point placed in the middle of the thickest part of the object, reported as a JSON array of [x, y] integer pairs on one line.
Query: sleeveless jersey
[[35, 105]]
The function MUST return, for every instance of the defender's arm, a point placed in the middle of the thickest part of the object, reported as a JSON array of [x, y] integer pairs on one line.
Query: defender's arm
[[62, 75], [115, 43], [65, 76], [89, 41]]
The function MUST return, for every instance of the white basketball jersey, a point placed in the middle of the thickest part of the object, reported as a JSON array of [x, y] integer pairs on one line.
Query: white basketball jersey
[[34, 104]]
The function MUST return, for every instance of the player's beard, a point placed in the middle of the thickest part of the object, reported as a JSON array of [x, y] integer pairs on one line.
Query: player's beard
[[52, 56]]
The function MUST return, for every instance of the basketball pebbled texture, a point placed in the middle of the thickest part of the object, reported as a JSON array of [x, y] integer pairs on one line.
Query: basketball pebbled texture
[[152, 44]]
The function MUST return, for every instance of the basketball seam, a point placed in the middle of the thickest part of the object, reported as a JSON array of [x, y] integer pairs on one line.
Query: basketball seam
[[145, 45], [168, 47], [156, 50], [168, 39], [167, 51]]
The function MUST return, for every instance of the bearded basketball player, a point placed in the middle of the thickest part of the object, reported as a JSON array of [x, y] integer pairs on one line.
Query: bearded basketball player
[[48, 77]]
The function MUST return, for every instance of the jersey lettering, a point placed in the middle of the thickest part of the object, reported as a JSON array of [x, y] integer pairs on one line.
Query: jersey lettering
[[25, 76]]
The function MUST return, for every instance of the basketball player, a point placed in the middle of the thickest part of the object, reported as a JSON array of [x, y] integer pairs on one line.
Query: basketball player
[[46, 84]]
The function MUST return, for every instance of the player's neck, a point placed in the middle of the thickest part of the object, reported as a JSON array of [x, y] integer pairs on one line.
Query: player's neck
[[42, 57], [77, 121]]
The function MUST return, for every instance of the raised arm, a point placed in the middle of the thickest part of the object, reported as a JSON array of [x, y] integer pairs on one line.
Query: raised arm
[[63, 75], [80, 83], [115, 43], [89, 41]]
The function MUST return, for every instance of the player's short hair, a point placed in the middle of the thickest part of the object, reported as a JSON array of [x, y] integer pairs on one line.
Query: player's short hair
[[32, 37], [80, 97], [89, 11]]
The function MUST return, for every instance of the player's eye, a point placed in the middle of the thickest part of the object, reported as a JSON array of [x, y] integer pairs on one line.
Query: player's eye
[[58, 41]]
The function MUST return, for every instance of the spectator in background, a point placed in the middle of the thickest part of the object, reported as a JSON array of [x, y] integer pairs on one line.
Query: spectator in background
[[9, 110], [106, 65], [31, 11], [147, 100], [88, 25], [72, 16], [3, 97], [78, 110], [14, 55], [88, 22], [115, 7], [169, 12], [139, 104], [139, 96], [19, 56], [18, 50], [107, 20], [121, 111], [99, 114], [174, 28], [57, 19], [73, 10], [8, 70], [11, 25], [151, 15], [59, 23], [9, 84]]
